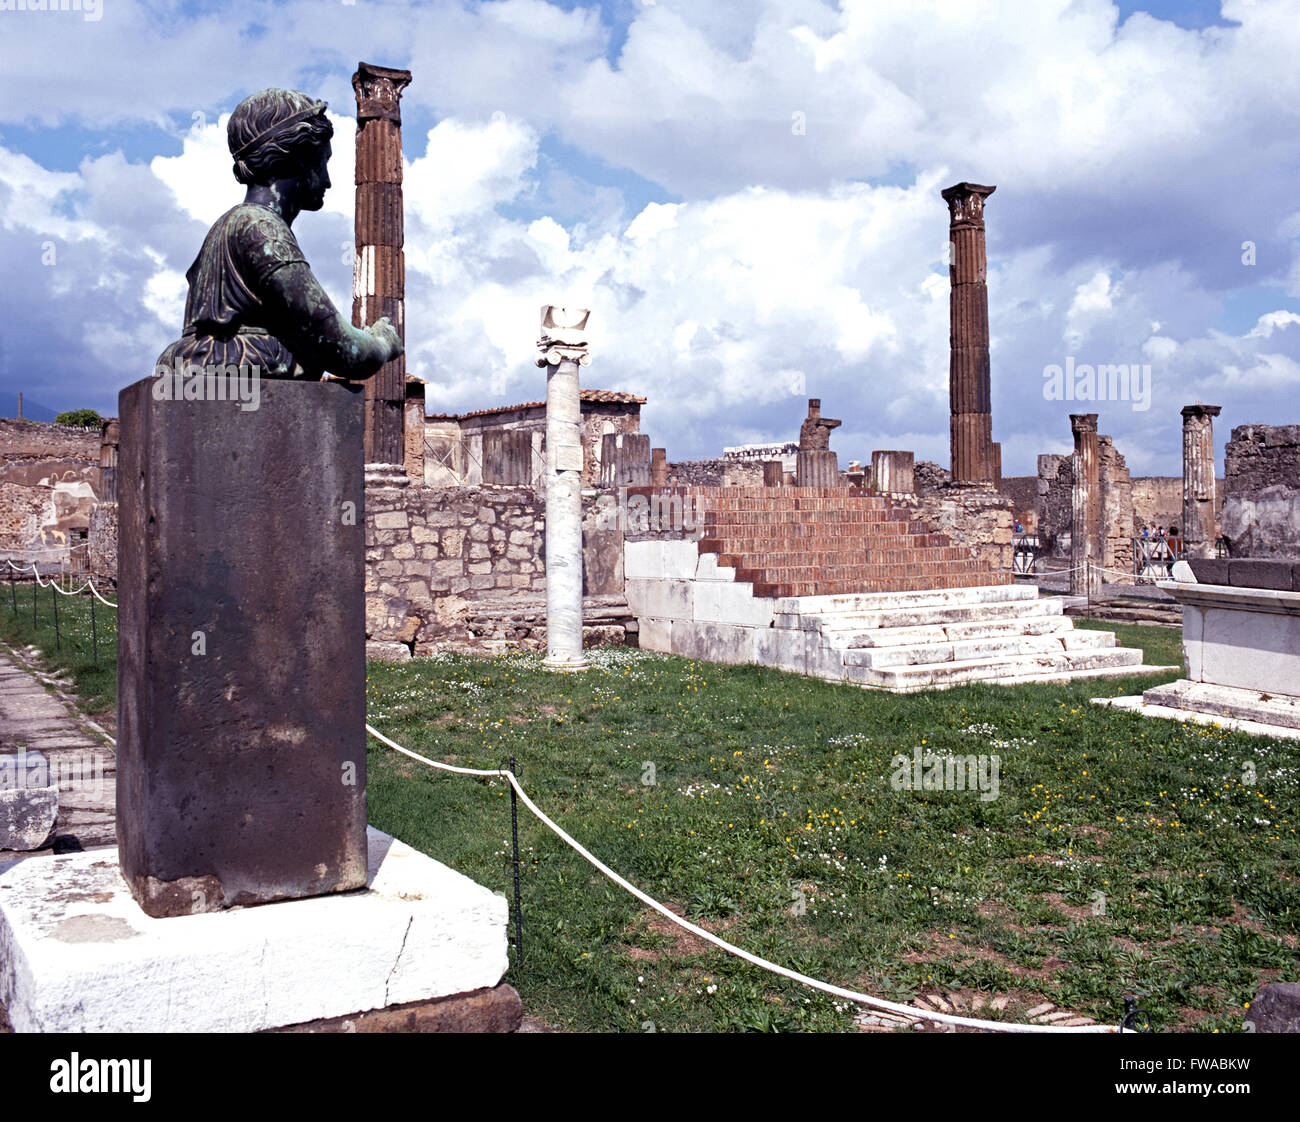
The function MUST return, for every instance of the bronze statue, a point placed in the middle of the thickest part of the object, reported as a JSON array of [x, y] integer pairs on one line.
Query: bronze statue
[[253, 300]]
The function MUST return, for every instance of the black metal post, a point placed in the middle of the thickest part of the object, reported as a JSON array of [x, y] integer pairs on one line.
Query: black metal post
[[13, 590], [94, 632], [54, 599], [35, 582], [514, 837]]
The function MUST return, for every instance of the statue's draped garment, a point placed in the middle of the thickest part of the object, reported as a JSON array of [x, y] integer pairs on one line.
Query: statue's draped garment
[[232, 317]]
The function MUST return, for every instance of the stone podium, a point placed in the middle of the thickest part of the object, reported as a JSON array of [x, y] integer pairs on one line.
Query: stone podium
[[241, 650]]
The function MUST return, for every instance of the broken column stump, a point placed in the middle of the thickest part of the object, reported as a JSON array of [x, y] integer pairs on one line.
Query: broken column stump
[[241, 647]]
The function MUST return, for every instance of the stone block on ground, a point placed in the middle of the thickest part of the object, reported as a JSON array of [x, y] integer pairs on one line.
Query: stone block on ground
[[29, 801], [1276, 1008]]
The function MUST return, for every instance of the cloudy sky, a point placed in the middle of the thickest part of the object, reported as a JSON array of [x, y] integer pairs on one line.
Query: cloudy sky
[[746, 193]]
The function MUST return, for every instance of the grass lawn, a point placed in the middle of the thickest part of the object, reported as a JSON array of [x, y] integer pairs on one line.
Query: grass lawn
[[1121, 854], [73, 650]]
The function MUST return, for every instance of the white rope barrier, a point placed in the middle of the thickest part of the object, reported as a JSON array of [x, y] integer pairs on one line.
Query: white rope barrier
[[881, 1003], [53, 583], [95, 593], [1120, 573]]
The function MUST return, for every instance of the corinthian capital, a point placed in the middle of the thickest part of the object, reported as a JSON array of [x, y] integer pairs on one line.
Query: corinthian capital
[[379, 92], [966, 203]]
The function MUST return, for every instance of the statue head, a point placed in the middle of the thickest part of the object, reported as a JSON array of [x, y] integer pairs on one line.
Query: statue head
[[282, 134]]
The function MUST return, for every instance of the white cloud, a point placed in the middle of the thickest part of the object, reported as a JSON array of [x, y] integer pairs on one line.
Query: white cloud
[[1273, 321], [1131, 162]]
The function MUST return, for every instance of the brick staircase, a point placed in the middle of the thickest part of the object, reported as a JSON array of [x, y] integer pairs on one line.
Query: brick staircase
[[819, 541], [850, 587]]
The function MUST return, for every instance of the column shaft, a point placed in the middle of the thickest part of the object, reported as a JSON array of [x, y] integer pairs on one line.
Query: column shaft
[[1085, 541], [969, 378], [379, 274], [563, 518], [1199, 491]]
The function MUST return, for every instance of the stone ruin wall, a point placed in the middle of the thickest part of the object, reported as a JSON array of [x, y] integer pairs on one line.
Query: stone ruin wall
[[1117, 514], [1127, 505], [1261, 506], [930, 477], [49, 477], [1158, 501], [101, 553], [1055, 505], [972, 515], [452, 448], [716, 473], [464, 568], [34, 440], [23, 511], [1022, 490]]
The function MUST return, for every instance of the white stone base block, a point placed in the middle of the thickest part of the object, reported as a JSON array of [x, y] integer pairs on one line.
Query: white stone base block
[[1188, 716], [1222, 706], [78, 955]]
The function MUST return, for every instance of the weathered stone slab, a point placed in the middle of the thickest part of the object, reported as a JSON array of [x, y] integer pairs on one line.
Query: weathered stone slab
[[29, 801], [1274, 710], [241, 658], [78, 955], [1276, 1008], [1249, 572]]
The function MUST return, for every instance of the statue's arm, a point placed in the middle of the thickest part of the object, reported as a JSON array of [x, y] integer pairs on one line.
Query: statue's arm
[[320, 338]]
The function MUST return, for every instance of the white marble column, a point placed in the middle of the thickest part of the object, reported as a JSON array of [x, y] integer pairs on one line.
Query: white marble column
[[564, 348]]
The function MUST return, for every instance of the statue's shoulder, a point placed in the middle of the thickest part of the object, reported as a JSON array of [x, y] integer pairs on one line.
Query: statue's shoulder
[[252, 220], [258, 235]]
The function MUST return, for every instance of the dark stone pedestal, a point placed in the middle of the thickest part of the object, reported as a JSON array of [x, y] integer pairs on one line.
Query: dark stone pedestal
[[241, 647]]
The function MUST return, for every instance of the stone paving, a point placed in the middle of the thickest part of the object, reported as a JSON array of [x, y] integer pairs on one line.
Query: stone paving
[[971, 1005], [34, 717]]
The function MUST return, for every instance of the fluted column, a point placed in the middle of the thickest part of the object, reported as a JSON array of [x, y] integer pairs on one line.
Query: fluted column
[[564, 348], [969, 389], [894, 473], [1085, 506], [379, 273], [1199, 494]]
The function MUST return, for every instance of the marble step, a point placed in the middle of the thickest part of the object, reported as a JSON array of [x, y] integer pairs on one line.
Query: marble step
[[1227, 702], [971, 650], [880, 601], [1048, 624], [925, 616], [969, 575], [1044, 666]]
